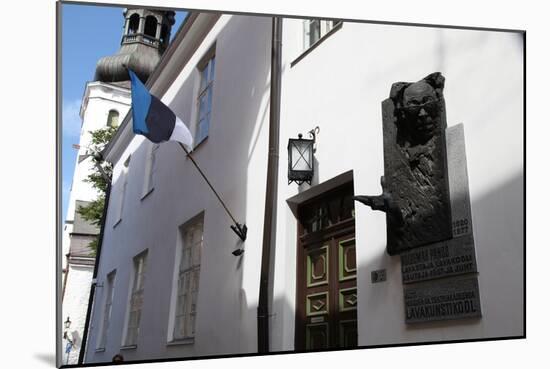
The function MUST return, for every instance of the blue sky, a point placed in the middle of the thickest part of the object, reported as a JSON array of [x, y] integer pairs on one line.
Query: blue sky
[[88, 33]]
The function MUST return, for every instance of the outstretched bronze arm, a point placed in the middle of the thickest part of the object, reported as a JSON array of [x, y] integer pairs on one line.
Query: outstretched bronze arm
[[383, 203], [375, 202]]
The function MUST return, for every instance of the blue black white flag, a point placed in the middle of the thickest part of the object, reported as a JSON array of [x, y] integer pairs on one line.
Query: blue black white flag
[[154, 120]]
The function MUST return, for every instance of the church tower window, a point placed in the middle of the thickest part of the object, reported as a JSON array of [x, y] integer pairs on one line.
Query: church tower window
[[134, 24], [150, 26], [112, 118]]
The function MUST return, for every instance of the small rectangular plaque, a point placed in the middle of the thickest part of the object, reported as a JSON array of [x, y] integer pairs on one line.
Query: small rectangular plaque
[[443, 299], [378, 276], [441, 259]]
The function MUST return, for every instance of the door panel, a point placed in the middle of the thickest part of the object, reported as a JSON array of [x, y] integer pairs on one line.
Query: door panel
[[326, 314]]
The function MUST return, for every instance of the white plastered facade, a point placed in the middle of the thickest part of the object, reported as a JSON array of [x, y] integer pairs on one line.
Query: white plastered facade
[[339, 86], [98, 100]]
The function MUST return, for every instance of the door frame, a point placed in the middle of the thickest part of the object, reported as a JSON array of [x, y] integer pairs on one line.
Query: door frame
[[330, 234]]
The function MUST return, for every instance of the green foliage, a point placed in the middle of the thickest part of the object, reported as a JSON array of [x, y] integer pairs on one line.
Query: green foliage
[[93, 246], [93, 211]]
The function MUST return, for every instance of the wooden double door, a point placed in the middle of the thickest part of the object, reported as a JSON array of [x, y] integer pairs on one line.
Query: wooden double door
[[326, 314]]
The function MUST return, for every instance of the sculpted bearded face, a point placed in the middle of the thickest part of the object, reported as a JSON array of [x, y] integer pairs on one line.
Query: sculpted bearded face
[[421, 109]]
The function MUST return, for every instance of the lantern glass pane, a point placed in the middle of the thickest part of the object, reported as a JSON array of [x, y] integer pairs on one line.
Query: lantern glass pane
[[301, 155]]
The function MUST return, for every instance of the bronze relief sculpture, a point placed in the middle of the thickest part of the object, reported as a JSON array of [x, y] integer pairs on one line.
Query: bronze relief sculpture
[[415, 187]]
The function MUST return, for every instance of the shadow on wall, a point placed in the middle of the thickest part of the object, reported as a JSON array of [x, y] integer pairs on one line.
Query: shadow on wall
[[499, 230], [492, 213], [77, 340], [498, 225]]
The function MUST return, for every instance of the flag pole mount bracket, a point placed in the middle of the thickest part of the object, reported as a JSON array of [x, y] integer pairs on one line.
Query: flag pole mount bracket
[[240, 230]]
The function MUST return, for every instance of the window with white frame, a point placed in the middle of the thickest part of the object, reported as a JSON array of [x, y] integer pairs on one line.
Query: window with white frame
[[150, 169], [108, 302], [136, 299], [315, 29], [204, 98], [191, 235], [123, 184]]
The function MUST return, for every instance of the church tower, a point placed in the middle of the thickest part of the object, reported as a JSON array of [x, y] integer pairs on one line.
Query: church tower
[[105, 103], [146, 36]]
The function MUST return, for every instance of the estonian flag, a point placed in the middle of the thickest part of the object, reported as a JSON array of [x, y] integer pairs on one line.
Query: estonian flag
[[155, 120]]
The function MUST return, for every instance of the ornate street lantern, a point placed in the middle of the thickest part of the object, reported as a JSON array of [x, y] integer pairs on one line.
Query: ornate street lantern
[[70, 343], [67, 323], [300, 158]]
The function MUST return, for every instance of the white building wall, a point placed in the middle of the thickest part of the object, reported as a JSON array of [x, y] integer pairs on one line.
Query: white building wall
[[339, 86], [233, 157], [99, 98], [74, 306]]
